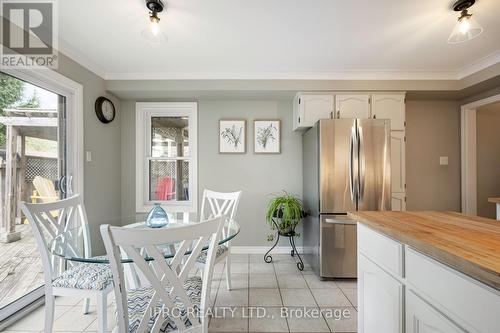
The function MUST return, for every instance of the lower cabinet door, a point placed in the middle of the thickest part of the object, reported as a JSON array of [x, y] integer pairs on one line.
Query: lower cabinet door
[[380, 299], [422, 318], [398, 202]]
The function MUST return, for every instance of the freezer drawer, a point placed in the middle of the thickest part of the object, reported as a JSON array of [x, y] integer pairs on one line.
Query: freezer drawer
[[338, 250]]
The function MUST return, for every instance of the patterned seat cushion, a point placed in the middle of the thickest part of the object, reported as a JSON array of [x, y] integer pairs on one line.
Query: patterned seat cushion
[[85, 276], [202, 258], [138, 301]]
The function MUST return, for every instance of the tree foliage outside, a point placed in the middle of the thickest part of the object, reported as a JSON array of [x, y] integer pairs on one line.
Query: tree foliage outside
[[11, 90], [11, 94]]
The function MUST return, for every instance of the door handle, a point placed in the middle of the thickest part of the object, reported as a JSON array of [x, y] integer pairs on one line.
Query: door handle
[[361, 176], [351, 163]]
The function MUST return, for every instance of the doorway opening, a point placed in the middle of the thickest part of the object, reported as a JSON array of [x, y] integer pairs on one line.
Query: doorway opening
[[480, 157]]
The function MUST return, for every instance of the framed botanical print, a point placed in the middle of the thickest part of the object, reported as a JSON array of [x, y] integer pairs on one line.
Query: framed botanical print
[[232, 136], [267, 136]]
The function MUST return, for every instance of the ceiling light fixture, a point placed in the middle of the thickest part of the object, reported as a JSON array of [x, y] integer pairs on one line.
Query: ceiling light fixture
[[153, 32], [467, 27]]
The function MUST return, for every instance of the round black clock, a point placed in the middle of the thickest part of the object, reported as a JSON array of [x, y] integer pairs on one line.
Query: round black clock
[[105, 110]]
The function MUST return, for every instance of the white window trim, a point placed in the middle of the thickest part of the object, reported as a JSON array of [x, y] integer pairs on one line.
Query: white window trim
[[143, 113], [73, 92]]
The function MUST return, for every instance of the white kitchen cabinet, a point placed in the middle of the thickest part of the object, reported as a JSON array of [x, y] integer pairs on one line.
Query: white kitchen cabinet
[[309, 108], [423, 318], [380, 299], [455, 294], [398, 165], [438, 298], [389, 106], [352, 106], [398, 202]]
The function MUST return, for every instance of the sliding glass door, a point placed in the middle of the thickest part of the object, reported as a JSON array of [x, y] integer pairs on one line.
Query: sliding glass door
[[33, 168]]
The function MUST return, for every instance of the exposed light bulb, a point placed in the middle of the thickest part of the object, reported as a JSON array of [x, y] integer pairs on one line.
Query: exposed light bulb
[[464, 24], [153, 32], [155, 24]]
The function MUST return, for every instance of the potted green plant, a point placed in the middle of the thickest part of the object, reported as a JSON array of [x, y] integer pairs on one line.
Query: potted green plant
[[284, 212]]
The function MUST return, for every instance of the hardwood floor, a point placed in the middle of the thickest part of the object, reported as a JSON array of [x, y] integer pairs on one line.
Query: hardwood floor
[[20, 267]]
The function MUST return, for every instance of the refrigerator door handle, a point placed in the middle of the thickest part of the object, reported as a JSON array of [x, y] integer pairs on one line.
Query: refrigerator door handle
[[351, 164], [334, 221], [361, 176]]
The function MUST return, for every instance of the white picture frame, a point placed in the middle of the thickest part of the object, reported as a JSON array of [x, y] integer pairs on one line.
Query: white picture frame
[[267, 136], [232, 136]]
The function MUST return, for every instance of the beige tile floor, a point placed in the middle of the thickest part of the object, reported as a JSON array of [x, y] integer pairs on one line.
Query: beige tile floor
[[265, 298]]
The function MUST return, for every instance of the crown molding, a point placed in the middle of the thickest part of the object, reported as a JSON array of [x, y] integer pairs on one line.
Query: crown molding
[[341, 75], [479, 65], [335, 75]]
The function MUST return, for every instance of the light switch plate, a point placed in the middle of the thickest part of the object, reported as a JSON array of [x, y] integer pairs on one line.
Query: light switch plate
[[443, 160]]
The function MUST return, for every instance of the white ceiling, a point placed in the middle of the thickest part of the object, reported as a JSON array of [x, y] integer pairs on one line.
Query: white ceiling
[[280, 39]]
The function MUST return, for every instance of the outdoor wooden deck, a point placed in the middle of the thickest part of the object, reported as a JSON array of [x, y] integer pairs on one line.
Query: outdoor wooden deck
[[20, 267]]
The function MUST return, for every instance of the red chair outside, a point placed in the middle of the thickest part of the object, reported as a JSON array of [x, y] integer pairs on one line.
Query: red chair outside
[[165, 190]]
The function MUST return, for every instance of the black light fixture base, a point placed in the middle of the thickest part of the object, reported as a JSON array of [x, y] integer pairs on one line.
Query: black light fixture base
[[461, 5], [156, 6]]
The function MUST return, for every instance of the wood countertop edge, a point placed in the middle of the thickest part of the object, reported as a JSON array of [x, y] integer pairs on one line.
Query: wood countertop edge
[[463, 265], [494, 200]]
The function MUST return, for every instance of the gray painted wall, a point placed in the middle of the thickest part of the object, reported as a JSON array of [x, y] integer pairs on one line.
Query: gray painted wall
[[433, 130], [102, 183], [259, 176]]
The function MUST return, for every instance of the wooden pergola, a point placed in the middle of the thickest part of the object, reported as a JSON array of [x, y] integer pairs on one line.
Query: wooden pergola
[[19, 124]]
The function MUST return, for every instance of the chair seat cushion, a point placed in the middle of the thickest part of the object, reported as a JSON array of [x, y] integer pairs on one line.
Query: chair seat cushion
[[138, 301], [85, 276], [202, 258]]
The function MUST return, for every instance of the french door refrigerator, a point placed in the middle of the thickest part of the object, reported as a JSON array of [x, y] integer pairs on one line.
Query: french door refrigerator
[[346, 166]]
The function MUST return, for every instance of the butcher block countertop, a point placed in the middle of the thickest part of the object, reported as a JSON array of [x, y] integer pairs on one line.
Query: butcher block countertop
[[468, 244], [494, 200]]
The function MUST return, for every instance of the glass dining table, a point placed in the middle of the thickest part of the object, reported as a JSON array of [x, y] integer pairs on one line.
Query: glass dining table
[[74, 243]]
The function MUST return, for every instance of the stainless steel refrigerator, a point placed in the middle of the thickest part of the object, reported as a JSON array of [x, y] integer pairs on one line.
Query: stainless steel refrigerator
[[346, 166]]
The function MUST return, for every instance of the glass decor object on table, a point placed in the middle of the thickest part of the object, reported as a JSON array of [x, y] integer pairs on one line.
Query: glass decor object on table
[[157, 217]]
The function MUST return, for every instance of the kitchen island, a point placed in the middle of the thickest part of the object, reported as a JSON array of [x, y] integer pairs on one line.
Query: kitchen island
[[427, 271]]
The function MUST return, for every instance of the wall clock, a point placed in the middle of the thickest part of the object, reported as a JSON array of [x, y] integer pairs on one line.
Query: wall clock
[[105, 110]]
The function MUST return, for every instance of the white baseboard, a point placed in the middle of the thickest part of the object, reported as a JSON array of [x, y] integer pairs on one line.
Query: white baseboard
[[262, 249]]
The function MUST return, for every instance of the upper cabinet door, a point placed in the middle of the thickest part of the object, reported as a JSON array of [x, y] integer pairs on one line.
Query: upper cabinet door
[[390, 107], [352, 106], [309, 108], [314, 108]]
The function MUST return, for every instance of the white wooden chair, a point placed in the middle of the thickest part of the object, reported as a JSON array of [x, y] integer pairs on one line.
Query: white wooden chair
[[175, 299], [56, 224], [216, 204]]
